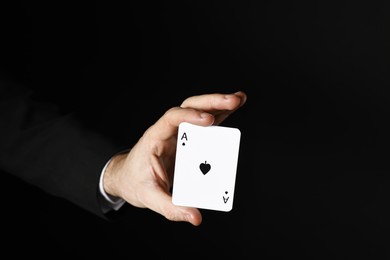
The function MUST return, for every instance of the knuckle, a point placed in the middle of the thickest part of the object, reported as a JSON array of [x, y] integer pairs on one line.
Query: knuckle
[[171, 110]]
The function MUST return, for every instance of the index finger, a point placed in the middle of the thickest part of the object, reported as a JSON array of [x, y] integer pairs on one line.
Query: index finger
[[166, 127], [215, 101]]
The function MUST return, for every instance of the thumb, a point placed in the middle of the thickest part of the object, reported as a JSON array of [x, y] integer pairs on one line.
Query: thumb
[[168, 124]]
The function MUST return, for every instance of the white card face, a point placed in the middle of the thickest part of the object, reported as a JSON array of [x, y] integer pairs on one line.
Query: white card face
[[206, 166]]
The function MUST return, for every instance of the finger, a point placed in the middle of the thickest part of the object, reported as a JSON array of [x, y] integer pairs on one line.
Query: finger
[[243, 97], [167, 125], [220, 105], [217, 101], [161, 203]]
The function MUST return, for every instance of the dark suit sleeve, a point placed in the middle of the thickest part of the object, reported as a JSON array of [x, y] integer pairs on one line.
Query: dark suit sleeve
[[51, 149]]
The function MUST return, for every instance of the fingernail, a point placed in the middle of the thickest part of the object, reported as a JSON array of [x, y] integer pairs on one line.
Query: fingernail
[[244, 99], [205, 115]]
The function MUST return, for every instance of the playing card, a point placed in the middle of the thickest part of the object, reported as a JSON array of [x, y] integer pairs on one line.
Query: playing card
[[206, 166]]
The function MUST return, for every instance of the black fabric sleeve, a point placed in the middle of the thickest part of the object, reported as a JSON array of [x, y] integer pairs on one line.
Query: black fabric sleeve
[[49, 149]]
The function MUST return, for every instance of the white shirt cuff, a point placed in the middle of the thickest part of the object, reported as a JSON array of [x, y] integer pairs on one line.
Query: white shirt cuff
[[113, 202]]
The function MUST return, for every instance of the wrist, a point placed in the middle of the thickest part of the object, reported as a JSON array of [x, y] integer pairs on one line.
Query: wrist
[[111, 175]]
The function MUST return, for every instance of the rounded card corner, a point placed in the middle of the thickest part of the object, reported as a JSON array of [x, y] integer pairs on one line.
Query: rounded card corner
[[238, 131], [182, 123], [229, 209]]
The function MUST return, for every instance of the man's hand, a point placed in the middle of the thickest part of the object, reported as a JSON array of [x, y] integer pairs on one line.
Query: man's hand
[[143, 176]]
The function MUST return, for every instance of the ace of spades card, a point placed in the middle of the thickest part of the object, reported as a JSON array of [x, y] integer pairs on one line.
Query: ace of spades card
[[205, 166]]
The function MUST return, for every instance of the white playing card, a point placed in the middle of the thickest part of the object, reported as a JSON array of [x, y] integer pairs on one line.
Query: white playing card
[[206, 166]]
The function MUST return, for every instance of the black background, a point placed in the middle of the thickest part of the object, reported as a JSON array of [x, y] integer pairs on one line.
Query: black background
[[313, 177]]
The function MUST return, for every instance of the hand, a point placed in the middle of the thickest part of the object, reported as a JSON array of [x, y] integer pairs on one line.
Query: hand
[[143, 177]]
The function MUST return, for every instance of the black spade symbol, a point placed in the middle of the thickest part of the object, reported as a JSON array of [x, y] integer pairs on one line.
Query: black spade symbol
[[205, 167]]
